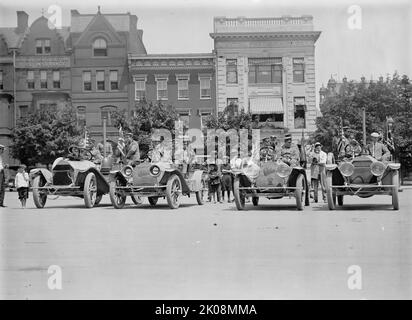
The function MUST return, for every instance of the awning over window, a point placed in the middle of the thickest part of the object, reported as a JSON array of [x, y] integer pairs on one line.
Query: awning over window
[[266, 105]]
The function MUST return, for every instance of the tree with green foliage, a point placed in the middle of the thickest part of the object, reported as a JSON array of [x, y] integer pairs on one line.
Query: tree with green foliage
[[44, 135]]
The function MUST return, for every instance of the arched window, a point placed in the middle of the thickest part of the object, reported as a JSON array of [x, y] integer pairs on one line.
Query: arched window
[[81, 116], [106, 113], [100, 47]]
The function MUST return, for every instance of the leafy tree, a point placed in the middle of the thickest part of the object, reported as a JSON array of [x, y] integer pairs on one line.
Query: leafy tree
[[44, 135]]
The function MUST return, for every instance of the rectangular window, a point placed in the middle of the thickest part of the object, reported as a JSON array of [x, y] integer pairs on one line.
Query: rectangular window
[[182, 87], [298, 70], [43, 79], [203, 119], [205, 92], [114, 82], [1, 80], [300, 112], [233, 106], [43, 46], [81, 116], [140, 89], [265, 70], [185, 118], [30, 79], [106, 113], [231, 71], [56, 79], [87, 81], [23, 111], [161, 89], [100, 80]]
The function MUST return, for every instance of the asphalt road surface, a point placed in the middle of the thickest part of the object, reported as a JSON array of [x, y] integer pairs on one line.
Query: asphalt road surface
[[360, 251]]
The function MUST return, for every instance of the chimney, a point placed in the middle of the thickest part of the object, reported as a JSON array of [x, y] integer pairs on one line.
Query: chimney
[[22, 21]]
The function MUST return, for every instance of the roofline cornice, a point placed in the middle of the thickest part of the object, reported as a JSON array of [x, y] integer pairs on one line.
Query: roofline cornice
[[267, 35]]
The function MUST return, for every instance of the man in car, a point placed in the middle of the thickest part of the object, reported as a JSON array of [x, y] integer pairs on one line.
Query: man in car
[[132, 153], [289, 152], [377, 149]]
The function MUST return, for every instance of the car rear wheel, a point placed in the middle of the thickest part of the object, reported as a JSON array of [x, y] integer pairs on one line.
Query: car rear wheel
[[239, 196], [136, 199], [300, 192], [202, 193], [117, 196], [153, 200], [255, 201], [395, 190], [90, 190], [330, 197], [39, 196], [173, 191]]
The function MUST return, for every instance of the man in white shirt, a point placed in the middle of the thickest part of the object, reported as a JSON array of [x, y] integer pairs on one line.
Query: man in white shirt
[[318, 160], [2, 177]]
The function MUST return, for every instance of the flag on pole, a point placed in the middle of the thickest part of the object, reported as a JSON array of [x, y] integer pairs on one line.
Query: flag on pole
[[303, 150], [120, 142], [342, 142]]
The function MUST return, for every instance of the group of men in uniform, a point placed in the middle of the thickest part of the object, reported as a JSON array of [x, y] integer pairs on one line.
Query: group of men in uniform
[[288, 152]]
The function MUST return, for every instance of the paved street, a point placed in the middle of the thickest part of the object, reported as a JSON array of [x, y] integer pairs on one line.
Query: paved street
[[210, 251]]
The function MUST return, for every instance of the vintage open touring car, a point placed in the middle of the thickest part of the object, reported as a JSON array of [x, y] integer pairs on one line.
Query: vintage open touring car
[[270, 179], [75, 175], [157, 180], [363, 176]]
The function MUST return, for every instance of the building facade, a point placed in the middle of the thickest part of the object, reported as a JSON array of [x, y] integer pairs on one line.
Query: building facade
[[99, 64], [267, 66]]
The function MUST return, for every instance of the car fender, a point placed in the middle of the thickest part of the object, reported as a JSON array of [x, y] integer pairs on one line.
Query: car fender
[[197, 180], [168, 173], [47, 175], [102, 184], [394, 166], [113, 175]]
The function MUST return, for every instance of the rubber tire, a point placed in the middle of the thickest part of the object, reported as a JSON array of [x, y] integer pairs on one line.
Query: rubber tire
[[255, 201], [89, 200], [173, 204], [395, 190], [114, 197], [330, 197], [300, 194], [239, 199], [200, 195], [153, 200], [98, 200], [39, 200], [340, 200], [136, 199]]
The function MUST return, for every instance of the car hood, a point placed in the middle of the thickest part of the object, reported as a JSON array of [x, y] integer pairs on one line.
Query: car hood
[[81, 165]]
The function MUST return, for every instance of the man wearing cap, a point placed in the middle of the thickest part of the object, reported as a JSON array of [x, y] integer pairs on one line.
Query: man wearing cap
[[132, 148], [377, 149], [2, 177], [318, 160], [289, 152]]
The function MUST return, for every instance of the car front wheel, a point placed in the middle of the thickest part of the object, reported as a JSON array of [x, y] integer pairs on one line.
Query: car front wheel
[[300, 191], [117, 197], [395, 190], [331, 198], [39, 196], [239, 196], [173, 191], [90, 190]]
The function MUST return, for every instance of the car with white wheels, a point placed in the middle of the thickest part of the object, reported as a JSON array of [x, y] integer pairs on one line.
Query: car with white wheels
[[361, 176], [157, 180], [75, 175], [269, 179]]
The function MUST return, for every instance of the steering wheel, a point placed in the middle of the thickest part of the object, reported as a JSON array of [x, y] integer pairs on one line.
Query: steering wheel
[[79, 153]]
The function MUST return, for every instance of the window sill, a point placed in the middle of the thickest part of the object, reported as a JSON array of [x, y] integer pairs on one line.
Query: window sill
[[182, 99], [205, 98]]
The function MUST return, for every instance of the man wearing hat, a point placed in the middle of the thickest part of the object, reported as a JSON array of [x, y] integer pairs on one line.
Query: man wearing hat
[[2, 177], [156, 152], [132, 148], [377, 149], [318, 160], [289, 152]]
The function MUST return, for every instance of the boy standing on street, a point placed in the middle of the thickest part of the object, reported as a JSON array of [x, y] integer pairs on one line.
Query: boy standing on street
[[22, 184]]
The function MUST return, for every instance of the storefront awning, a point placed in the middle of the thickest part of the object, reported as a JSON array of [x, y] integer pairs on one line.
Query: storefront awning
[[266, 105]]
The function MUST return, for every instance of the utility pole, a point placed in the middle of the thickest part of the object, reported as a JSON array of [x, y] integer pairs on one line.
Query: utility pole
[[364, 125], [14, 90], [104, 137]]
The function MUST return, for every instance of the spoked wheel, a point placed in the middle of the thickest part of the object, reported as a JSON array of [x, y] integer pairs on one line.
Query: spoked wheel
[[255, 201], [90, 190], [395, 190], [98, 199], [202, 193], [117, 196], [239, 195], [330, 196], [300, 192], [173, 191], [136, 199], [153, 200], [39, 196]]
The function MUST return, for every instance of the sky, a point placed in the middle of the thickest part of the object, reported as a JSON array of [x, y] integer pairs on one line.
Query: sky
[[381, 46]]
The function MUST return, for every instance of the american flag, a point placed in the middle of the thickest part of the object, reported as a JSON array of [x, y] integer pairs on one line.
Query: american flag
[[120, 142], [85, 142], [390, 143], [303, 159]]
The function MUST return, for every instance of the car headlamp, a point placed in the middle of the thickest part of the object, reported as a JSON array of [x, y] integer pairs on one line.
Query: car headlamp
[[346, 169], [377, 168], [283, 170], [128, 171], [154, 170]]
